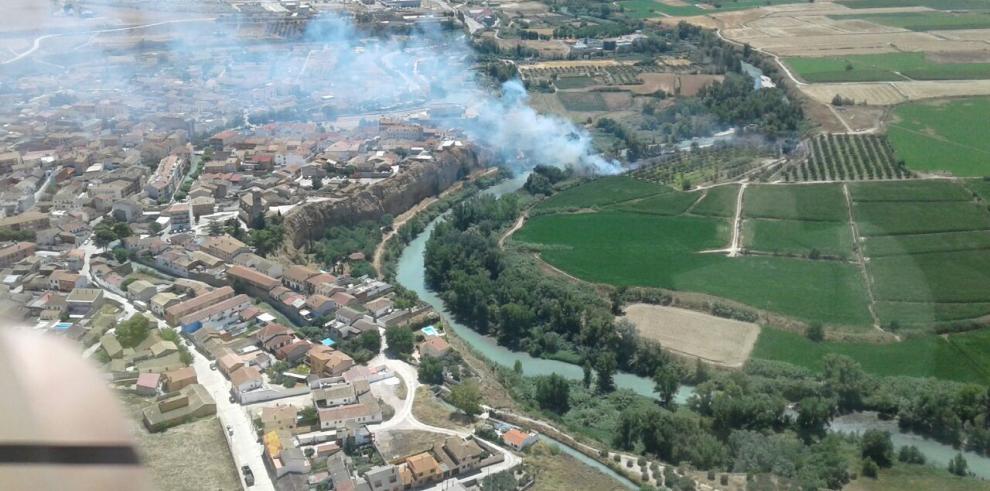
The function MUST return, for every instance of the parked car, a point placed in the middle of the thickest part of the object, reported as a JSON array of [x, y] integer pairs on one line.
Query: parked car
[[213, 366], [231, 399], [248, 475]]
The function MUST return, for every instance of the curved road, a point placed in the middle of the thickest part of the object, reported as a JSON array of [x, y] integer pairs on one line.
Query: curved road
[[37, 41]]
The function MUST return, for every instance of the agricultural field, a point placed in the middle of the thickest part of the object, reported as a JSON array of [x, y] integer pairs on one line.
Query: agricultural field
[[926, 243], [847, 158], [919, 217], [800, 238], [724, 342], [894, 245], [704, 165], [815, 202], [948, 137], [644, 9], [719, 201], [928, 190], [932, 4], [669, 203], [649, 250], [958, 357], [600, 192], [581, 102], [925, 21], [981, 187], [884, 67]]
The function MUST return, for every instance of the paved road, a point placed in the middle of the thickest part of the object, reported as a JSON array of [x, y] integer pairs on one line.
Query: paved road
[[403, 419], [243, 443]]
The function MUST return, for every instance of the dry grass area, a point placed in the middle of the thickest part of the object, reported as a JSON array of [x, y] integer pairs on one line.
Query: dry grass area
[[397, 444], [889, 93], [716, 340], [429, 410], [558, 471], [189, 456]]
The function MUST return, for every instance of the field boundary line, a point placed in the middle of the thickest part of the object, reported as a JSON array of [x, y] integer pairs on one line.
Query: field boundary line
[[858, 253], [950, 142]]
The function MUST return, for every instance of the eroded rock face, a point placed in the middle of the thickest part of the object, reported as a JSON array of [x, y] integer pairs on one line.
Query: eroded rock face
[[393, 196]]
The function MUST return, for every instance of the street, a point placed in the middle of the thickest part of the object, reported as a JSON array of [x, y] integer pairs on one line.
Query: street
[[243, 444]]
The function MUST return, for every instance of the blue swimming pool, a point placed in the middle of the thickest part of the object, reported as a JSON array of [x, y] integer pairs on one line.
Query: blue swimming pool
[[430, 331]]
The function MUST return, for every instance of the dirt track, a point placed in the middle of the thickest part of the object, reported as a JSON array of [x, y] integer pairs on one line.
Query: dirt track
[[719, 341]]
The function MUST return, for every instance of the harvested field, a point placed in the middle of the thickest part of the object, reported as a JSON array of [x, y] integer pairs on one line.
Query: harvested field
[[716, 340]]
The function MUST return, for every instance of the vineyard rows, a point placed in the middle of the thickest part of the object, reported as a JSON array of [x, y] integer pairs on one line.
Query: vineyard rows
[[848, 158], [606, 75]]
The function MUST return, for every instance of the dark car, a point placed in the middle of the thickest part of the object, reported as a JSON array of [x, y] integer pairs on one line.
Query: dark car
[[248, 475]]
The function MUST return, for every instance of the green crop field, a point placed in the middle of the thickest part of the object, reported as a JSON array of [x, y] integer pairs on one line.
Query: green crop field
[[647, 250], [940, 277], [927, 314], [932, 4], [929, 356], [604, 191], [891, 218], [950, 136], [578, 82], [670, 203], [884, 67], [642, 9], [798, 237], [925, 21], [823, 202], [929, 190], [719, 201], [580, 102], [981, 187], [892, 245]]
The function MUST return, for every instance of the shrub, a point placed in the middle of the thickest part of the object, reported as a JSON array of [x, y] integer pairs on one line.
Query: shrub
[[616, 458], [870, 468]]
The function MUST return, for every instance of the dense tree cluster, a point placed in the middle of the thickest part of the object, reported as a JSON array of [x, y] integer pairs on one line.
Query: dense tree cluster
[[734, 101], [340, 241], [543, 178]]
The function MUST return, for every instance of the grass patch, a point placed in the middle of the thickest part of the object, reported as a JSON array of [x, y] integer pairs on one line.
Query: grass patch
[[952, 136], [962, 276], [929, 356], [884, 67], [892, 245], [929, 190], [719, 201], [891, 218], [582, 102], [823, 202], [798, 237], [644, 250], [558, 470], [925, 21], [601, 192], [902, 476]]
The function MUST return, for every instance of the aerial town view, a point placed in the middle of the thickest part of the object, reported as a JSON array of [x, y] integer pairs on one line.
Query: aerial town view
[[495, 245]]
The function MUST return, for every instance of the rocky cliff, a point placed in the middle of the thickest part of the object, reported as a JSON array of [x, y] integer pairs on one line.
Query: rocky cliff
[[393, 196]]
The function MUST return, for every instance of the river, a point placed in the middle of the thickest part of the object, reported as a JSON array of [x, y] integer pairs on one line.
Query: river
[[411, 274]]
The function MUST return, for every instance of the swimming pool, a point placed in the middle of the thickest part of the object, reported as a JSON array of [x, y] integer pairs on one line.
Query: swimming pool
[[430, 331]]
